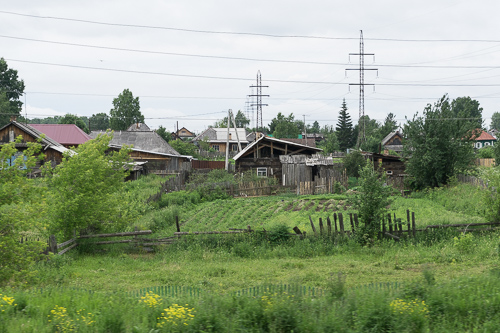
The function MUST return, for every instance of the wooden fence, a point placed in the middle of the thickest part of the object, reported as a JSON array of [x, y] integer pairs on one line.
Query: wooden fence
[[472, 180], [320, 186], [486, 162]]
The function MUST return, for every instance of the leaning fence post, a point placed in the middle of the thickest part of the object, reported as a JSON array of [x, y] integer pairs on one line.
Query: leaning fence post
[[312, 225], [53, 244], [177, 224]]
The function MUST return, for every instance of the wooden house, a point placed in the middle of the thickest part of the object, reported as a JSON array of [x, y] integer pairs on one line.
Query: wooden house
[[263, 155], [184, 133], [218, 138], [148, 146], [393, 141], [483, 139], [52, 150]]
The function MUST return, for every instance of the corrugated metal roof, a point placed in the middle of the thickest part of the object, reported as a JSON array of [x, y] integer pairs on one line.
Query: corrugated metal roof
[[220, 135], [65, 134]]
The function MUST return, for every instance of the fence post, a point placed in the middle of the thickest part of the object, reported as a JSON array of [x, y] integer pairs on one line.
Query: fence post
[[53, 244], [413, 224], [329, 225], [408, 221], [389, 221], [352, 223], [321, 230], [335, 221], [177, 224], [312, 225], [341, 224], [356, 222]]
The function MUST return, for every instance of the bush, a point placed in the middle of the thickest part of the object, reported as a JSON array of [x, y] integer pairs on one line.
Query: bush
[[353, 163]]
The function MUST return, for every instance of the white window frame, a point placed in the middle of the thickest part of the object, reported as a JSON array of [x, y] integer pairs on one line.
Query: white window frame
[[478, 145], [261, 172]]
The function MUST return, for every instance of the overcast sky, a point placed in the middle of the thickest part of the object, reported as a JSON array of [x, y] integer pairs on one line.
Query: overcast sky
[[191, 61]]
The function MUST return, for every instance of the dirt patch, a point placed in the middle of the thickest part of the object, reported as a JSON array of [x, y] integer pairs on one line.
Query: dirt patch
[[289, 207], [309, 206]]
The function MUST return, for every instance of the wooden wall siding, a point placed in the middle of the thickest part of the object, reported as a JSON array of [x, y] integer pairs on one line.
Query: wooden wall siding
[[293, 174], [196, 164], [5, 134], [273, 165], [222, 146]]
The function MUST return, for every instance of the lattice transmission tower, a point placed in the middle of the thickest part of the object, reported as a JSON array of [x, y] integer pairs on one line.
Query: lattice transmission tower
[[258, 101], [361, 84]]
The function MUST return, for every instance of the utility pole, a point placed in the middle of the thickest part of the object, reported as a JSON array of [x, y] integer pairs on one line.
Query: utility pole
[[258, 103], [305, 128], [361, 84], [227, 139]]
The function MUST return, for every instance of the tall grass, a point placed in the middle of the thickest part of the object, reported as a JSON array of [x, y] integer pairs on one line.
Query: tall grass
[[460, 304]]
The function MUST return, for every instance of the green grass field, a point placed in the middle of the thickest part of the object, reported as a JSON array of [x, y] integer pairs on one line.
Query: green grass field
[[455, 275]]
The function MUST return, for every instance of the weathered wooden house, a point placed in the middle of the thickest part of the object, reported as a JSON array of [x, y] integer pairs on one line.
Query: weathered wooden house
[[263, 155], [148, 146], [52, 150], [393, 141]]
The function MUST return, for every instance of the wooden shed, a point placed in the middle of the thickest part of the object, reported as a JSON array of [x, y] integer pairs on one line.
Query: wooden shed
[[263, 156], [304, 168]]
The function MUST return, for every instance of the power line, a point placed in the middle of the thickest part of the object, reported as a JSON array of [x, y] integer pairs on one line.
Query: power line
[[248, 59], [245, 33], [240, 78]]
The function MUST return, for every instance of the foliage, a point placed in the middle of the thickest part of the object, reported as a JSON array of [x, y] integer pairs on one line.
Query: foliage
[[344, 129], [162, 131], [330, 144], [439, 145], [22, 210], [353, 163], [468, 108], [11, 89], [74, 119], [183, 147], [125, 111], [85, 188], [372, 200], [240, 119], [492, 196], [485, 152], [99, 122], [495, 121], [284, 127]]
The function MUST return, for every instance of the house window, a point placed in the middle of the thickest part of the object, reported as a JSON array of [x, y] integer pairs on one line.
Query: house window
[[487, 144], [215, 147], [234, 147], [478, 144], [261, 172]]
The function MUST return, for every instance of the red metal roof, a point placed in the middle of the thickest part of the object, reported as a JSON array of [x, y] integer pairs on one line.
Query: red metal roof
[[485, 136], [65, 134]]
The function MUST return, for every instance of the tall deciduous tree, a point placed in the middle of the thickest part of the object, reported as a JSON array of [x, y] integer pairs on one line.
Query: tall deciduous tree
[[99, 122], [74, 119], [285, 127], [495, 121], [162, 131], [85, 188], [439, 145], [11, 89], [344, 129], [125, 112], [240, 119], [468, 108]]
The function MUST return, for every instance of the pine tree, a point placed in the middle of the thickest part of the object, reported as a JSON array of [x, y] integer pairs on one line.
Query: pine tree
[[344, 128]]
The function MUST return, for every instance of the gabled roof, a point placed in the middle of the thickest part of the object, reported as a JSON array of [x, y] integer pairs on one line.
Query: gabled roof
[[268, 138], [139, 127], [46, 141], [220, 135], [390, 136], [145, 141], [65, 134]]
